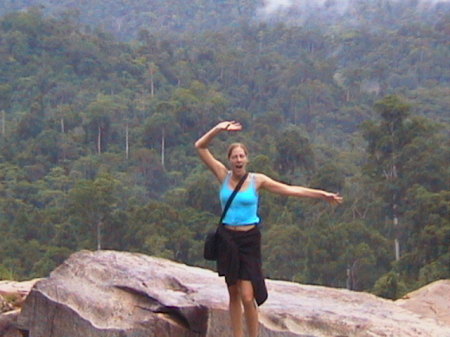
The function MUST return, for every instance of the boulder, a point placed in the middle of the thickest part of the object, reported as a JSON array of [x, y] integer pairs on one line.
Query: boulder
[[12, 296], [119, 294], [13, 293], [431, 301], [20, 288], [5, 305], [8, 322]]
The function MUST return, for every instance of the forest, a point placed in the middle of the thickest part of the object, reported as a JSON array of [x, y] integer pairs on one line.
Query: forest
[[98, 126]]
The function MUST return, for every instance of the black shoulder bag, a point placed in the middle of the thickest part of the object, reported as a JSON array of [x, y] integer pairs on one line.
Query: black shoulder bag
[[210, 249]]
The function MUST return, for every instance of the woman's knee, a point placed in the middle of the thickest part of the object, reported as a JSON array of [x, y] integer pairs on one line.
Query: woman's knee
[[234, 293], [246, 293], [247, 299]]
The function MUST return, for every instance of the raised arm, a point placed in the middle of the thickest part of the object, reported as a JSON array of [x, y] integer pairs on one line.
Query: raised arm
[[266, 183], [218, 168]]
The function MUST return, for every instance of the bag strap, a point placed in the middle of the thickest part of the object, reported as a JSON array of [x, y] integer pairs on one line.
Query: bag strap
[[230, 199]]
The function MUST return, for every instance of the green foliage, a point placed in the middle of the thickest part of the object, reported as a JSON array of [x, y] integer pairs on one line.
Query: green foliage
[[6, 274], [330, 177], [294, 151], [96, 137], [353, 252], [389, 286]]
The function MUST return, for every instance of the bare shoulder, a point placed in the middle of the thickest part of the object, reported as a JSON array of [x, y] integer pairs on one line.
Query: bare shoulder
[[264, 182], [260, 180]]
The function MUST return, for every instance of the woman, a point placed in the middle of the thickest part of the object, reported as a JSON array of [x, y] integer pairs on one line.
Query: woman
[[240, 240]]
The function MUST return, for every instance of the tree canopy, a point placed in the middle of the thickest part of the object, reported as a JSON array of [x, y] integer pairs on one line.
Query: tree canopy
[[98, 126]]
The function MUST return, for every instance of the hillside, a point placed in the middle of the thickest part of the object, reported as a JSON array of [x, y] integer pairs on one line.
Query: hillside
[[97, 132]]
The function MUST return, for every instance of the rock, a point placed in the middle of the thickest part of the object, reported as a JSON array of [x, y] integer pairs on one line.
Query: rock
[[119, 294], [7, 324], [12, 295], [17, 287], [431, 301], [5, 305], [328, 312]]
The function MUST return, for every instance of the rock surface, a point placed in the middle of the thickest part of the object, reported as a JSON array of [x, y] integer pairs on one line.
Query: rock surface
[[109, 294], [432, 301], [12, 296], [7, 324]]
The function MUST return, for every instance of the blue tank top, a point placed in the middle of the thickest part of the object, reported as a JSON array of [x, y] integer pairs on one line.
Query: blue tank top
[[244, 207]]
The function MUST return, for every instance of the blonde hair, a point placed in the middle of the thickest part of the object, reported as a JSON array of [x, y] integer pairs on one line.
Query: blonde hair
[[236, 145]]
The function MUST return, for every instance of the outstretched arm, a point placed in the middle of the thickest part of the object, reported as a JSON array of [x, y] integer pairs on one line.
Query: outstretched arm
[[219, 169], [264, 182]]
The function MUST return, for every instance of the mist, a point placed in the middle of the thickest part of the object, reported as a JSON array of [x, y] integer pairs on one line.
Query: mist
[[278, 7]]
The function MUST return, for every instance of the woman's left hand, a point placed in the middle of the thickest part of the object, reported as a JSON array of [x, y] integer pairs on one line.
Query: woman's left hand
[[333, 198]]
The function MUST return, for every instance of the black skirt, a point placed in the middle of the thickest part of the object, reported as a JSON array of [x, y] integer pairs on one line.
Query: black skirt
[[240, 259]]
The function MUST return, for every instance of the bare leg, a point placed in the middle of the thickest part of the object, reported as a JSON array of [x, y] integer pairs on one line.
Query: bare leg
[[250, 308], [235, 308]]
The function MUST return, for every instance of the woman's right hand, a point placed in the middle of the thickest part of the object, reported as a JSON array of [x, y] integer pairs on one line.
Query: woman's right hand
[[229, 126]]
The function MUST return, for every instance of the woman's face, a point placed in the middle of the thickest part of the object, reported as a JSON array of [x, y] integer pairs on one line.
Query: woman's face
[[238, 160]]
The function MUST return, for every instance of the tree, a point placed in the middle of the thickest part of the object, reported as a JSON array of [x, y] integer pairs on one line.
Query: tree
[[201, 193], [385, 143], [284, 257], [328, 176], [101, 114], [91, 203], [32, 123], [406, 163], [5, 101], [147, 171], [428, 230], [162, 128], [294, 151], [344, 254], [152, 227], [389, 286]]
